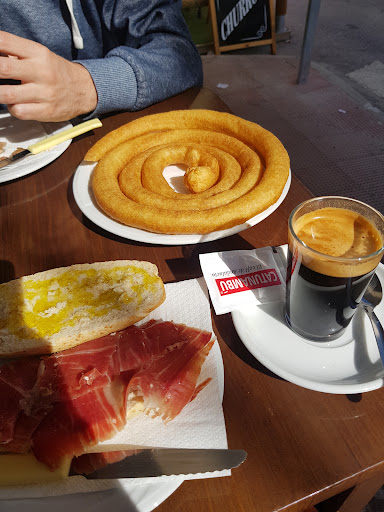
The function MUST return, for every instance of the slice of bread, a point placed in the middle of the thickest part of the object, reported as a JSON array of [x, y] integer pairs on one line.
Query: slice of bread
[[60, 308]]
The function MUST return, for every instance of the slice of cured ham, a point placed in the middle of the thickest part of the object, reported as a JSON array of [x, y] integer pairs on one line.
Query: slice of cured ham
[[72, 426], [9, 410], [72, 373], [16, 382], [168, 384], [75, 399]]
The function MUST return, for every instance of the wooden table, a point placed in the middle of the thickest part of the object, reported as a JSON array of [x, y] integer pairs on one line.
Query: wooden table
[[303, 446]]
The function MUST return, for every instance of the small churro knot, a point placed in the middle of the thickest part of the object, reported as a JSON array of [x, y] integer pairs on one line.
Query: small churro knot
[[198, 179]]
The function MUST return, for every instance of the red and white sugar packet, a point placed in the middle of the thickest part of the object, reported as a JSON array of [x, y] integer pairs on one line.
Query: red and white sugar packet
[[241, 278]]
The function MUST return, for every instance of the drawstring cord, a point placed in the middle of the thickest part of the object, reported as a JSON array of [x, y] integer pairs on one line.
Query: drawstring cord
[[76, 36]]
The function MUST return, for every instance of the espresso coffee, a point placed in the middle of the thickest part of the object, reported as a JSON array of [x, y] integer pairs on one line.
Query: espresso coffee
[[329, 270]]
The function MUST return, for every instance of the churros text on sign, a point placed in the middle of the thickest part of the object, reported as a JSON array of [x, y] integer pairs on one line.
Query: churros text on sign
[[128, 183]]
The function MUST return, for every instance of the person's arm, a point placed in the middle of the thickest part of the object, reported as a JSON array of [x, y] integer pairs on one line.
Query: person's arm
[[51, 88], [149, 57], [155, 58]]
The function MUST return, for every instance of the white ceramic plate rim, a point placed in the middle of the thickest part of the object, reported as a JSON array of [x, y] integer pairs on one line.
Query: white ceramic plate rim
[[83, 196], [281, 341], [33, 163]]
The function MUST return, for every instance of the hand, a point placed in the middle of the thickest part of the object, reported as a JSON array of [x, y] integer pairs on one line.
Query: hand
[[51, 88]]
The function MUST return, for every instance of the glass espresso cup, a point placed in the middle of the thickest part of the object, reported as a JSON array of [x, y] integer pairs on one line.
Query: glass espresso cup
[[334, 247]]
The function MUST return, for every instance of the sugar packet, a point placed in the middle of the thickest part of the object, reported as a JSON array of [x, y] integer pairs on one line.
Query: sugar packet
[[241, 278]]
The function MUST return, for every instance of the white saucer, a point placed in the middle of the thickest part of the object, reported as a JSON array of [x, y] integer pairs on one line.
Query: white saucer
[[348, 365]]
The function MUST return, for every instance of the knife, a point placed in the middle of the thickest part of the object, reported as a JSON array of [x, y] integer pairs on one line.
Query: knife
[[168, 461], [52, 140]]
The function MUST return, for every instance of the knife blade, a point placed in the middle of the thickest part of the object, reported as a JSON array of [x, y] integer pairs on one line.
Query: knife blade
[[52, 140], [168, 461]]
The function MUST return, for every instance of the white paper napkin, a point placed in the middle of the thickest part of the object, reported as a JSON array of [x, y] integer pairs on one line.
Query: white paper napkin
[[200, 424]]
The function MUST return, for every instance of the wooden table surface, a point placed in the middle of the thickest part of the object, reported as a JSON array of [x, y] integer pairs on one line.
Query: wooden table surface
[[303, 446]]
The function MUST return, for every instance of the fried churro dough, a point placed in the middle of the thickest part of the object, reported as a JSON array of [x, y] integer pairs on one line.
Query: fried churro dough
[[248, 169], [200, 178]]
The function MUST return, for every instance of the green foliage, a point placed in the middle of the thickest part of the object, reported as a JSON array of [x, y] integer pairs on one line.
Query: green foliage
[[199, 24]]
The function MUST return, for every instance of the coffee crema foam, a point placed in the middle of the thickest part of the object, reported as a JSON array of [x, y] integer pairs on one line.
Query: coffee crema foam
[[338, 233]]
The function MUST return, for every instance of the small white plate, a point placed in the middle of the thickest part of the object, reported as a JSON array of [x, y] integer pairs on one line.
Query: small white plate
[[350, 364], [82, 192], [21, 134]]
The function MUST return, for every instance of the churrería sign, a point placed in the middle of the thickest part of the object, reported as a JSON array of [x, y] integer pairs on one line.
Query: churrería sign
[[242, 23]]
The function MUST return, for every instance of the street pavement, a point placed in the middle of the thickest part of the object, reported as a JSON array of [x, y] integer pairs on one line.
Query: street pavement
[[348, 44]]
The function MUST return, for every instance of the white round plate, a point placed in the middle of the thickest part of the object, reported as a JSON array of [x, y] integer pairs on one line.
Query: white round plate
[[21, 134], [129, 497], [350, 364], [82, 192]]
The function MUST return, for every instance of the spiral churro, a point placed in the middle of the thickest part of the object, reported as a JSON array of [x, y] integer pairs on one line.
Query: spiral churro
[[238, 170]]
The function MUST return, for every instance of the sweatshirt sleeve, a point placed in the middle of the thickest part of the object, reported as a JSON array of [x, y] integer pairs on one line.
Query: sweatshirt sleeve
[[150, 57]]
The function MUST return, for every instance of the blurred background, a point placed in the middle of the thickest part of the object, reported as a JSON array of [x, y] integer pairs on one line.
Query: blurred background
[[349, 37]]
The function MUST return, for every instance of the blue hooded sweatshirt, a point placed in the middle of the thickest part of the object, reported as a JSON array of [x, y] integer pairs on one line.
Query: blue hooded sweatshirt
[[138, 52]]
